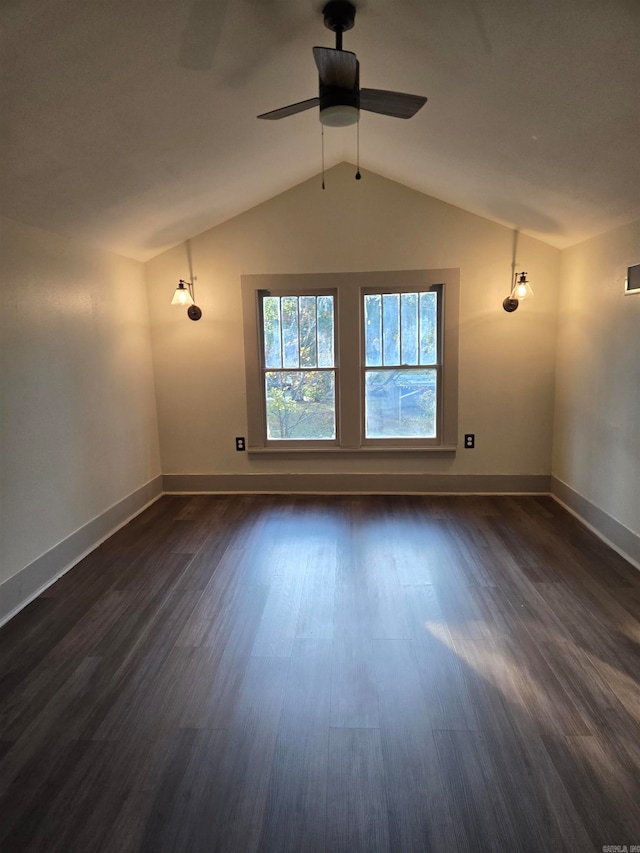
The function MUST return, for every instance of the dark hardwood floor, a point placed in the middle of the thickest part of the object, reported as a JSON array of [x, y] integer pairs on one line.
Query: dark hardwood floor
[[270, 673]]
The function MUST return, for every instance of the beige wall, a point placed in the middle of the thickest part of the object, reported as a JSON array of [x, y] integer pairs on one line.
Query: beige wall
[[78, 416], [597, 436], [507, 362]]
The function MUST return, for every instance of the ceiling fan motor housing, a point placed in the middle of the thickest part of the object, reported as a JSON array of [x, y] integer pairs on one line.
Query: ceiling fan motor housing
[[339, 16], [331, 96]]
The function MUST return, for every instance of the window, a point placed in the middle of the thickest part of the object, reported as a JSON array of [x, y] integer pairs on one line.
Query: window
[[401, 364], [298, 365], [352, 362]]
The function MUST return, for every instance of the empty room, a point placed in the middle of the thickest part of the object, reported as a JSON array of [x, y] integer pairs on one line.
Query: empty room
[[320, 458]]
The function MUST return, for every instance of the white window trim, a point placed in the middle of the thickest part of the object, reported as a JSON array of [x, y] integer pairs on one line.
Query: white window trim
[[349, 288]]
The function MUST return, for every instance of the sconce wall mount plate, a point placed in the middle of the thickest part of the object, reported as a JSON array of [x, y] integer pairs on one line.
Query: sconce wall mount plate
[[510, 304]]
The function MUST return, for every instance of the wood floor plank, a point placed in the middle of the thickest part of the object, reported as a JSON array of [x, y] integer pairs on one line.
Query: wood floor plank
[[462, 611], [220, 702], [184, 804], [104, 801], [295, 814], [57, 720], [590, 629], [388, 617], [418, 811], [21, 705], [20, 655], [482, 819], [230, 533], [473, 555], [213, 791], [535, 683], [356, 800], [623, 684], [447, 701], [317, 601], [542, 810], [27, 826], [151, 695], [354, 690], [403, 538], [277, 629], [240, 790], [128, 659], [602, 792], [148, 611]]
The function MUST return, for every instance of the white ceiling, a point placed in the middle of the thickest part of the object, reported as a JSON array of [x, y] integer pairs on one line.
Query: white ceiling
[[131, 125]]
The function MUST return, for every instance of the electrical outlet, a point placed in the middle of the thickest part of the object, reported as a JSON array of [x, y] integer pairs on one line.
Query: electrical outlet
[[469, 440], [240, 443]]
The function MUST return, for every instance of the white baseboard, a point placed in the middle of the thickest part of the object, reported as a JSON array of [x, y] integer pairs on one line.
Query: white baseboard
[[624, 541], [20, 589], [359, 484]]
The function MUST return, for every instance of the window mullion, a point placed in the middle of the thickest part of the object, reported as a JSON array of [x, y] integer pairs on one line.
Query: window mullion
[[400, 328], [315, 315], [350, 340], [419, 329], [280, 331], [298, 331], [382, 334]]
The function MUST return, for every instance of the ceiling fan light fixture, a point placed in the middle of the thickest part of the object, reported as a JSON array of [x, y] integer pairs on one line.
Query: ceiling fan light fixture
[[339, 115]]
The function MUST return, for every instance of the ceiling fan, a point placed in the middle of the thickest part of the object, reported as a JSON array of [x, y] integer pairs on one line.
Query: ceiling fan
[[340, 98]]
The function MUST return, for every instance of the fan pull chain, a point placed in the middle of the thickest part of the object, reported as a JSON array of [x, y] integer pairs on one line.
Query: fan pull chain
[[358, 175], [322, 137]]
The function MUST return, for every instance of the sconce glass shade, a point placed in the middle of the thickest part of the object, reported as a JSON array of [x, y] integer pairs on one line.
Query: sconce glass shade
[[182, 296], [339, 115], [521, 288]]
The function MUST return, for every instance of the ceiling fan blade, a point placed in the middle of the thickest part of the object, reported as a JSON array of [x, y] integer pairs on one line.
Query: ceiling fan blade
[[396, 104], [292, 109], [336, 67]]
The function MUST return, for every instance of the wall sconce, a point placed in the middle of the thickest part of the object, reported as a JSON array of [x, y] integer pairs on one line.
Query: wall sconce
[[184, 296], [521, 290]]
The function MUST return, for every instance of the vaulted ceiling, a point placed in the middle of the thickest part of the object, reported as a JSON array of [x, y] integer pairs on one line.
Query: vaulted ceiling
[[132, 125]]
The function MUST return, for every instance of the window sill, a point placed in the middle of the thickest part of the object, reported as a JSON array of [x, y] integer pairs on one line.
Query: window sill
[[448, 450]]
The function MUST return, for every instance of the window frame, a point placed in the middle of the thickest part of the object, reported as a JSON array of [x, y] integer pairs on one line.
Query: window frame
[[348, 290]]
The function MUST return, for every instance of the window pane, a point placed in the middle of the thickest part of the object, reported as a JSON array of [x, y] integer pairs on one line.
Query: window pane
[[272, 335], [428, 328], [400, 403], [391, 328], [301, 404], [373, 329], [409, 327], [308, 325], [325, 331], [289, 307]]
